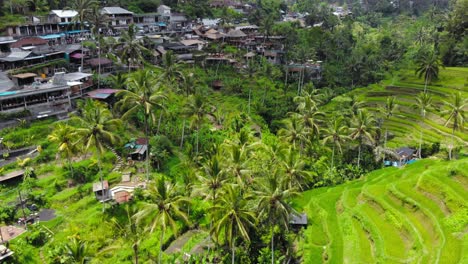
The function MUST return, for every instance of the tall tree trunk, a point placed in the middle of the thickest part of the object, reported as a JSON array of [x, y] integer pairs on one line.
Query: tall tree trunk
[[71, 167], [161, 242], [385, 143], [452, 144], [183, 134], [159, 122], [425, 81], [81, 42], [198, 130], [333, 156], [99, 67], [359, 155], [135, 252], [420, 143], [233, 250], [147, 147], [250, 92], [104, 192], [272, 245]]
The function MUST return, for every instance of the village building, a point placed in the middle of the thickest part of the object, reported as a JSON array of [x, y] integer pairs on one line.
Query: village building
[[119, 18]]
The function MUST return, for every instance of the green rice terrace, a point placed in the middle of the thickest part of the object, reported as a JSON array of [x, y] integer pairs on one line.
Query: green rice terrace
[[416, 214], [404, 126]]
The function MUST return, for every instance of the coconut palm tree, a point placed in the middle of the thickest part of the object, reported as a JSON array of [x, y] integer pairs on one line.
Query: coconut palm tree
[[96, 128], [130, 48], [237, 164], [77, 250], [130, 232], [65, 136], [98, 21], [388, 110], [337, 134], [293, 131], [456, 115], [196, 108], [232, 218], [274, 204], [362, 129], [428, 64], [163, 208], [144, 94], [423, 104], [293, 169], [309, 114], [171, 70], [355, 105], [83, 7], [211, 179]]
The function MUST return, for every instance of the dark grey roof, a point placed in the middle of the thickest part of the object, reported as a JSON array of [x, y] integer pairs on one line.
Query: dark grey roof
[[405, 152], [298, 219]]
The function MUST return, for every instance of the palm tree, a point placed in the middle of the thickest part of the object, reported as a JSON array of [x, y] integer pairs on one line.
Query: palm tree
[[131, 48], [83, 7], [337, 134], [456, 114], [388, 110], [428, 64], [237, 164], [130, 232], [274, 204], [64, 135], [163, 209], [309, 114], [355, 105], [423, 104], [293, 168], [77, 250], [143, 95], [211, 179], [196, 109], [232, 217], [96, 129], [172, 72], [293, 131], [98, 20], [363, 126]]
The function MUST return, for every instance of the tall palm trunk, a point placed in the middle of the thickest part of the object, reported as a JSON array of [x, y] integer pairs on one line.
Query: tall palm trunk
[[250, 97], [233, 250], [161, 242], [147, 147], [70, 167], [183, 134], [385, 143], [81, 42], [272, 245], [333, 156], [359, 155], [452, 144], [135, 252], [98, 153]]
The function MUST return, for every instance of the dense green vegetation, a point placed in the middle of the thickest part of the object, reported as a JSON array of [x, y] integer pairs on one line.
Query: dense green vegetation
[[227, 167]]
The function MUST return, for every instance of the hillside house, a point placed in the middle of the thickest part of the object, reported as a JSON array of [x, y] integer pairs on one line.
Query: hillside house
[[118, 17]]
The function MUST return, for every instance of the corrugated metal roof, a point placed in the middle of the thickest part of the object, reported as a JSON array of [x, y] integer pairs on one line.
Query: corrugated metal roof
[[64, 13], [16, 56], [115, 10]]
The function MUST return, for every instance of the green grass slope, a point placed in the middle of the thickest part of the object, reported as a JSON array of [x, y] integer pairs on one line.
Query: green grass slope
[[406, 123], [415, 214]]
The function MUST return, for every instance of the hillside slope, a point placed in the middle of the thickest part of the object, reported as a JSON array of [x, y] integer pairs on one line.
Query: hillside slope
[[404, 126], [415, 214]]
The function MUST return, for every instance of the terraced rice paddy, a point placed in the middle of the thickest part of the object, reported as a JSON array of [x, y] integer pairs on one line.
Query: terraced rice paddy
[[404, 126], [416, 214]]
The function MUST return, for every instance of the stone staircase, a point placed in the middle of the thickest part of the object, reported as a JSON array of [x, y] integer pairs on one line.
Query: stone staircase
[[120, 162]]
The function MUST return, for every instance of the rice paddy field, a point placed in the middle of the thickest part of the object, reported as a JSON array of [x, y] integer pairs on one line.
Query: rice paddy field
[[404, 126], [415, 214]]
